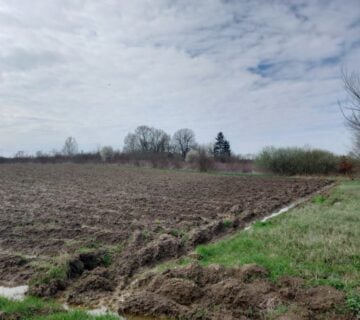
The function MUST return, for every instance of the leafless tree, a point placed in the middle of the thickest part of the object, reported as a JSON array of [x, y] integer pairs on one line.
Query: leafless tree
[[351, 109], [144, 136], [147, 139], [131, 143], [70, 147], [20, 154], [160, 141], [356, 145], [183, 141]]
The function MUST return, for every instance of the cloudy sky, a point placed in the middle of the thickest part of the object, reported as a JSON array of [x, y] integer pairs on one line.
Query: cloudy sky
[[263, 72]]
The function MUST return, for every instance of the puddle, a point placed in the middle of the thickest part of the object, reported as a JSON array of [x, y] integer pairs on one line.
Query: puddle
[[290, 206], [281, 211], [103, 311], [15, 293]]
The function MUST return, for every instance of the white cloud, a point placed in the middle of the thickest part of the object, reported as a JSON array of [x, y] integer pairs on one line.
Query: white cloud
[[262, 72]]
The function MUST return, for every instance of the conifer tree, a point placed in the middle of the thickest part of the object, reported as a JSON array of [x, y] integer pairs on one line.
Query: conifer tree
[[226, 149], [222, 149]]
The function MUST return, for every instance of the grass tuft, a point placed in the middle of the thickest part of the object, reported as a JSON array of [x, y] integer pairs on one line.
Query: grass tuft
[[353, 303]]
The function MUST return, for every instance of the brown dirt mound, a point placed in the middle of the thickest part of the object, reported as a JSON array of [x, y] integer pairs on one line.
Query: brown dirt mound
[[91, 286], [166, 246], [14, 270], [196, 292]]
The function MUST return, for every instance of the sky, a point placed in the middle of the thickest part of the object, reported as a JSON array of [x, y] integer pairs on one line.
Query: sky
[[263, 72]]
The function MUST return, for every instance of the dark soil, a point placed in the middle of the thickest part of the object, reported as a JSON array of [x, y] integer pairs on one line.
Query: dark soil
[[137, 217], [214, 292]]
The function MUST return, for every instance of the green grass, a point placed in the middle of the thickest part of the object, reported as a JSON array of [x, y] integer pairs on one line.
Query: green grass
[[319, 199], [227, 223], [353, 303], [75, 315], [46, 271], [32, 308], [319, 241]]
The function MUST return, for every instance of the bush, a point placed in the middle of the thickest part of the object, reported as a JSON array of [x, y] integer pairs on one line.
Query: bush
[[201, 159], [107, 154], [290, 161], [345, 166]]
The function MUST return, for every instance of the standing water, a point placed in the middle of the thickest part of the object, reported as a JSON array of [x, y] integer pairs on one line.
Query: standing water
[[15, 293]]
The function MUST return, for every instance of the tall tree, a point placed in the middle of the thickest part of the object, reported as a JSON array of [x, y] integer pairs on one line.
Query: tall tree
[[222, 149], [351, 109], [146, 139], [226, 149], [70, 147], [183, 141], [219, 145], [160, 141]]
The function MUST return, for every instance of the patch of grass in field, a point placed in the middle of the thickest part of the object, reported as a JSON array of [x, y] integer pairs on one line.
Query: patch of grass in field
[[27, 307], [110, 251], [276, 312], [173, 264], [40, 309], [320, 243], [319, 199], [227, 223], [353, 303], [75, 315], [51, 270]]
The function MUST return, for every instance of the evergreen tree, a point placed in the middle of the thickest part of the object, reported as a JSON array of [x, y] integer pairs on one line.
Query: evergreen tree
[[221, 147], [227, 150]]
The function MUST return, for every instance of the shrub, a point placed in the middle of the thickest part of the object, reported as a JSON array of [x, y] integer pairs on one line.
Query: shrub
[[201, 159], [345, 166], [290, 161], [107, 154]]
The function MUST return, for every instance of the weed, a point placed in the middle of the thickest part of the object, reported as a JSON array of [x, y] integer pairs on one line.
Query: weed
[[91, 246], [116, 249], [276, 312], [107, 260], [353, 303], [54, 270], [319, 199], [179, 234], [227, 223]]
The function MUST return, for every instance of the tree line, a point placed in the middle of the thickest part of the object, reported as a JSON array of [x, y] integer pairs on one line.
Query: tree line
[[146, 142]]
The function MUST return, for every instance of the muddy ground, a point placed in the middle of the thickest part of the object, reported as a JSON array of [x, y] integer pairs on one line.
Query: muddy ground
[[108, 222], [215, 292]]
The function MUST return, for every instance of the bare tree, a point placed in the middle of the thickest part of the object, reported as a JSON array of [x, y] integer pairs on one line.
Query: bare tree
[[160, 141], [147, 139], [351, 110], [20, 154], [70, 147], [183, 141], [356, 145], [131, 143]]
